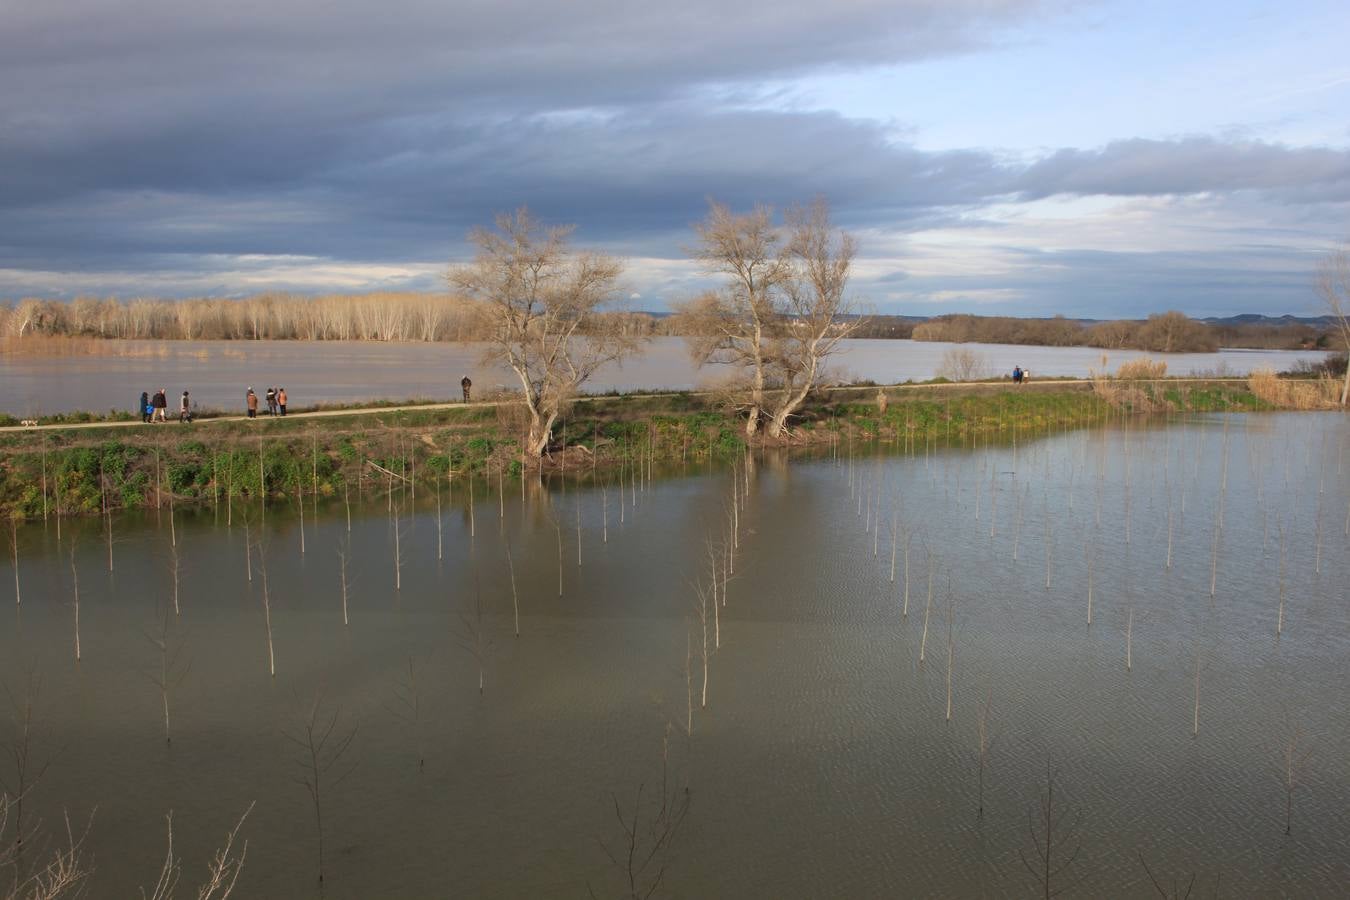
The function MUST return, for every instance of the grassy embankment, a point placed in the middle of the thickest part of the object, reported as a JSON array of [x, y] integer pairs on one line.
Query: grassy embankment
[[75, 472]]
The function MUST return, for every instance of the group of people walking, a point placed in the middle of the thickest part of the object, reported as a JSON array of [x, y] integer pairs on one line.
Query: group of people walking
[[275, 398], [155, 407], [1020, 375]]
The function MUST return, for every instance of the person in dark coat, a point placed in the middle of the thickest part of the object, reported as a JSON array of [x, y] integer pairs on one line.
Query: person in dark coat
[[271, 401], [146, 408], [161, 405], [466, 385]]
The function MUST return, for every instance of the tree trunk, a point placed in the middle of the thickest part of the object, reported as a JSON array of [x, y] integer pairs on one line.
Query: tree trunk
[[792, 401], [541, 429]]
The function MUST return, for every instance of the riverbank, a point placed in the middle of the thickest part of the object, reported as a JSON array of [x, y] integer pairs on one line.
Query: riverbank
[[97, 467]]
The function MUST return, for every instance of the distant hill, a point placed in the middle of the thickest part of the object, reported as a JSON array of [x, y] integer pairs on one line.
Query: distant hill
[[1258, 319]]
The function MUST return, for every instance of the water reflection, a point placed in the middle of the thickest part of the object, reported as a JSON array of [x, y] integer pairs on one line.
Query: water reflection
[[824, 764]]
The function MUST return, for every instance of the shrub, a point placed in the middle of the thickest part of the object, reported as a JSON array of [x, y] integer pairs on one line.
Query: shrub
[[963, 364], [1322, 393], [1142, 369]]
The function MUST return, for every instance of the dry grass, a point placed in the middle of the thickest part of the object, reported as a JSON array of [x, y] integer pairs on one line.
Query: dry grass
[[1142, 369], [1288, 393], [1126, 388]]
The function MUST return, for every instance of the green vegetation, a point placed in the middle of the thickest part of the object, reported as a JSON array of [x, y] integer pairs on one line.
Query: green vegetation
[[78, 471]]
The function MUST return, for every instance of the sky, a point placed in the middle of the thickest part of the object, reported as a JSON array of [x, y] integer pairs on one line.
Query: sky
[[1002, 157]]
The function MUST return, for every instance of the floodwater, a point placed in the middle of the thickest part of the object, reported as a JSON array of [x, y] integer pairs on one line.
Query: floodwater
[[824, 764], [218, 372]]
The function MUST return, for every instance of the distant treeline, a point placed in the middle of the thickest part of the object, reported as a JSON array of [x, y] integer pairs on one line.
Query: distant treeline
[[275, 317], [443, 317], [1167, 332]]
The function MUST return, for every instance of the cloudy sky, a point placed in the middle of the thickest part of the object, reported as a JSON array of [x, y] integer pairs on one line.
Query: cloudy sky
[[996, 156]]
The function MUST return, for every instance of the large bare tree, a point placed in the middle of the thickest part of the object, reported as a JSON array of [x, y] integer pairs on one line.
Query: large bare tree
[[541, 301], [782, 311], [1333, 283]]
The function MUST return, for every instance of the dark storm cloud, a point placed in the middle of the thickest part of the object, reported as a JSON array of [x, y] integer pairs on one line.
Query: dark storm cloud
[[155, 94], [157, 136], [135, 129]]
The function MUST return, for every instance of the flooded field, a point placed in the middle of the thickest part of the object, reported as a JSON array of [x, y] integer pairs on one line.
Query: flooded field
[[218, 372], [895, 648]]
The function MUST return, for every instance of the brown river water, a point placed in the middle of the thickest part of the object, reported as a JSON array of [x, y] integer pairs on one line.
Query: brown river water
[[825, 764], [217, 373]]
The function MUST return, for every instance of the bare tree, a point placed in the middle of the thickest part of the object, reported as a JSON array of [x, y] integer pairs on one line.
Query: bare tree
[[342, 552], [782, 311], [471, 633], [75, 597], [1295, 758], [641, 851], [267, 610], [542, 303], [963, 364], [14, 545], [985, 741], [1054, 840], [322, 759], [408, 710], [28, 768], [221, 874], [733, 326], [819, 315], [170, 672], [61, 874], [1177, 891], [1333, 284], [515, 596]]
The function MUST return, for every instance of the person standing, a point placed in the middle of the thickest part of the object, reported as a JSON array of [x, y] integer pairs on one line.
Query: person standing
[[146, 408], [271, 401], [184, 408], [466, 385], [161, 404], [281, 400], [251, 403]]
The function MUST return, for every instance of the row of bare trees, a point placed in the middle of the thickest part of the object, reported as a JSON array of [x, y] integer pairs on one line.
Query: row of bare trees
[[362, 317]]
